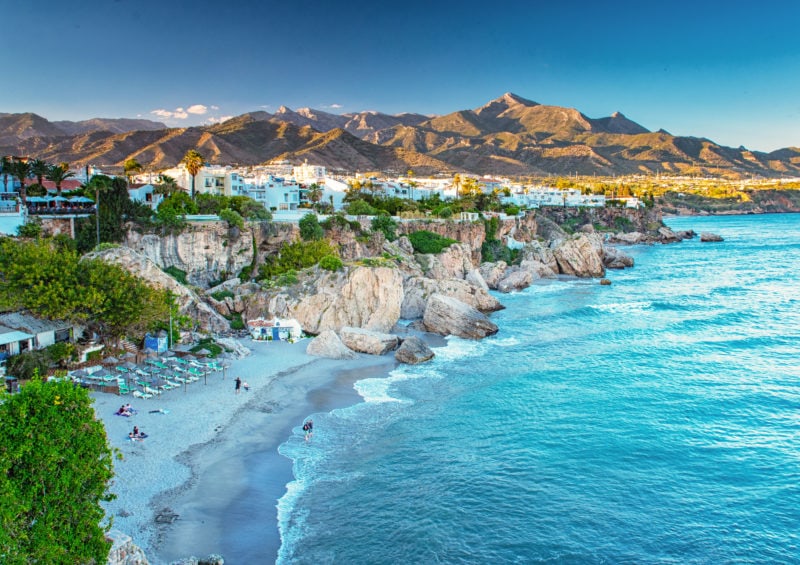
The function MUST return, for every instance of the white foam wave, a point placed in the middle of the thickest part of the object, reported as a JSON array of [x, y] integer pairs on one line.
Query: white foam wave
[[639, 306]]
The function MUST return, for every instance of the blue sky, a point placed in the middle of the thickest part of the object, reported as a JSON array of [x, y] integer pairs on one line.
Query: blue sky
[[726, 70]]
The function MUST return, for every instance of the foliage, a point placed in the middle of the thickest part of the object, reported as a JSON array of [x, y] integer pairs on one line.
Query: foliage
[[177, 274], [331, 263], [623, 224], [236, 321], [58, 174], [36, 189], [386, 225], [310, 230], [62, 353], [29, 363], [55, 469], [296, 256], [193, 161], [232, 217], [32, 228], [444, 212], [338, 220], [209, 345], [512, 210], [249, 208], [424, 241], [360, 207], [221, 295]]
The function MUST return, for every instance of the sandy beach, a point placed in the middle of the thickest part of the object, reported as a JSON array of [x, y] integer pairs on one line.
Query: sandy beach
[[210, 457]]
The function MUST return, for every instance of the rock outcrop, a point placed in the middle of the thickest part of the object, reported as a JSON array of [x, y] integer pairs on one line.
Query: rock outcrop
[[613, 258], [366, 341], [710, 237], [327, 344], [448, 316], [580, 256], [419, 289], [189, 303], [412, 351], [124, 551]]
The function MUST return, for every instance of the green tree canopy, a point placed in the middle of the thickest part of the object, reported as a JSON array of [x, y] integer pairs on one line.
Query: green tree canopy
[[310, 230], [55, 468], [193, 161]]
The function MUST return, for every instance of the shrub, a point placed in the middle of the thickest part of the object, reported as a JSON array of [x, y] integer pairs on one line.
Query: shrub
[[424, 241], [236, 321], [623, 224], [386, 225], [32, 229], [331, 263], [55, 470], [444, 212], [512, 210], [295, 256], [177, 274], [310, 230], [221, 295], [233, 218], [360, 208]]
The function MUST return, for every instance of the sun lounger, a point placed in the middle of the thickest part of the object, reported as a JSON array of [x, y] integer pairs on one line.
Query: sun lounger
[[140, 394]]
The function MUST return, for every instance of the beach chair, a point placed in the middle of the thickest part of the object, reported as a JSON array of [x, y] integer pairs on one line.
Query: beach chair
[[140, 394], [123, 387]]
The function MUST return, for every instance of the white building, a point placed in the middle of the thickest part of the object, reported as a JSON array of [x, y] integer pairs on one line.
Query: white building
[[145, 194], [309, 174]]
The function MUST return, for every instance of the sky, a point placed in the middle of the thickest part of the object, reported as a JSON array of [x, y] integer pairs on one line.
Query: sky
[[725, 70]]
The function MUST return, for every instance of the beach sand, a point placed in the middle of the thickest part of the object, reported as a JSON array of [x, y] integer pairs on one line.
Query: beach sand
[[211, 456]]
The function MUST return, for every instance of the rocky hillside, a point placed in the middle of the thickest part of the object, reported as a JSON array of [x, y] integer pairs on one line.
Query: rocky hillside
[[506, 136]]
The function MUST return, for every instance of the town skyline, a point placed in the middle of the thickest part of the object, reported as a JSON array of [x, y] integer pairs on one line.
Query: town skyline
[[696, 70]]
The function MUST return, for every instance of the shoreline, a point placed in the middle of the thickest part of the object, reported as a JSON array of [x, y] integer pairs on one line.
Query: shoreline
[[213, 455]]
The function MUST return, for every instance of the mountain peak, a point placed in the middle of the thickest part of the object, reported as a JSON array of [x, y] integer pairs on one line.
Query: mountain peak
[[511, 98]]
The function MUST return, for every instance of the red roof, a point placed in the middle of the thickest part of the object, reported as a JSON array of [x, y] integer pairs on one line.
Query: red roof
[[69, 184]]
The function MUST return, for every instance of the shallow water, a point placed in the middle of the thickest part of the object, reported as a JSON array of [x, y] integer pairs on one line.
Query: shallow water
[[653, 421]]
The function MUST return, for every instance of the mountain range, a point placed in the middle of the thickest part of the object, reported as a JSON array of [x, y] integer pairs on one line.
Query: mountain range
[[508, 136]]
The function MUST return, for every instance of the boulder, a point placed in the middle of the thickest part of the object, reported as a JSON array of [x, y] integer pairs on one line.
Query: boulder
[[631, 238], [605, 282], [613, 258], [666, 235], [580, 256], [446, 316], [412, 351], [327, 344], [419, 289], [452, 263], [710, 237], [366, 341], [492, 273], [515, 280], [536, 251]]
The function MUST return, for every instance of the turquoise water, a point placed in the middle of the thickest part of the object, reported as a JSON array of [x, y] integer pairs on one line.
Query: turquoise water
[[653, 421]]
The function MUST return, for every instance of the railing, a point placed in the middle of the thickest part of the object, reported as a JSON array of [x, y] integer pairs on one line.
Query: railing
[[63, 211]]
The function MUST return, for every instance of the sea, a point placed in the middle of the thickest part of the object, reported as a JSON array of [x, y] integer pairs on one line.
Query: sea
[[655, 420]]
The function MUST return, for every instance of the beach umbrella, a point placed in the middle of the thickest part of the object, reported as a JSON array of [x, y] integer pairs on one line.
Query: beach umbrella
[[110, 361], [130, 366], [203, 352], [80, 373], [36, 199], [81, 199], [58, 199], [190, 358], [128, 355]]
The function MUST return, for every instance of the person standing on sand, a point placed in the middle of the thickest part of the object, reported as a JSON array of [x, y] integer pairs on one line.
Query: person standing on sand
[[238, 384], [308, 428]]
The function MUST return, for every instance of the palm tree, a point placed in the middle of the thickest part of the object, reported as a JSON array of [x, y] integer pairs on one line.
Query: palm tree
[[39, 169], [21, 169], [99, 183], [132, 166], [193, 162], [58, 174], [5, 170], [314, 194], [166, 185]]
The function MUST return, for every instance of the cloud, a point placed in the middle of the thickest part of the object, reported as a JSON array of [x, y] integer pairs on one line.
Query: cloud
[[214, 107], [335, 106], [198, 109], [219, 120], [176, 114]]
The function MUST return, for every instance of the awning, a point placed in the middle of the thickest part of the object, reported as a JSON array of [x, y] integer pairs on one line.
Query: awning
[[14, 337]]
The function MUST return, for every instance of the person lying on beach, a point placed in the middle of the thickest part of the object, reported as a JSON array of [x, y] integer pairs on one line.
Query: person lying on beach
[[122, 411], [136, 434], [130, 409]]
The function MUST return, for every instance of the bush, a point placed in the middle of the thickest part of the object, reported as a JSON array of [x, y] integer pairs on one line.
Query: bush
[[55, 470], [296, 256], [623, 224], [62, 353], [424, 241], [32, 229], [386, 225], [310, 230], [360, 208], [29, 363], [233, 218], [512, 210], [221, 295], [177, 274], [236, 321], [444, 212], [331, 263]]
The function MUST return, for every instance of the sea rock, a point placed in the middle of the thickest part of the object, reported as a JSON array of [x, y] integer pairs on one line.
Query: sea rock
[[630, 238], [189, 303], [666, 235], [710, 237], [580, 256], [452, 263], [366, 341], [124, 551], [538, 252], [613, 258], [475, 278], [605, 282], [419, 289], [327, 344], [446, 316], [492, 273], [515, 280], [412, 351]]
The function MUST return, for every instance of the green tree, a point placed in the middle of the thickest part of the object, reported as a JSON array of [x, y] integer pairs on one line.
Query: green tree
[[21, 169], [314, 194], [55, 469], [233, 218], [193, 162], [249, 208], [385, 224], [166, 185], [5, 170], [58, 174], [131, 167], [310, 230], [39, 169]]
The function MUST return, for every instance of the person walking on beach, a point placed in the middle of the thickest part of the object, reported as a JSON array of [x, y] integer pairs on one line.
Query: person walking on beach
[[308, 428], [238, 384]]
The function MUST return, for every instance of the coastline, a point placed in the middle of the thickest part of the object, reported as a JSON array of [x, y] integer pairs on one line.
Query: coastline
[[212, 459]]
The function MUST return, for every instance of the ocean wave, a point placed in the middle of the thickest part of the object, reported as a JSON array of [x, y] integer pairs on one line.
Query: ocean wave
[[625, 307]]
